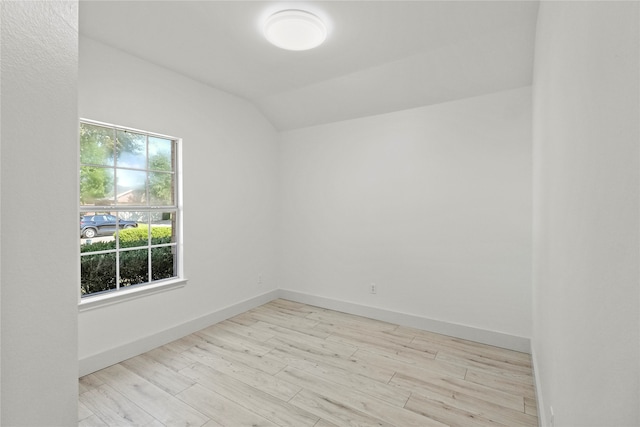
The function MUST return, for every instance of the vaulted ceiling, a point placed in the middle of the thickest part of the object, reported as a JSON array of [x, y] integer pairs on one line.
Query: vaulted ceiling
[[380, 56]]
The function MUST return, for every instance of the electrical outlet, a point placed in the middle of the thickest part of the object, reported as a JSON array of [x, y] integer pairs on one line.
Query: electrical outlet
[[373, 288], [260, 279], [551, 418]]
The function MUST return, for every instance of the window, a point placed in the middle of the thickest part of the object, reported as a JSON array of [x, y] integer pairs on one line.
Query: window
[[129, 209]]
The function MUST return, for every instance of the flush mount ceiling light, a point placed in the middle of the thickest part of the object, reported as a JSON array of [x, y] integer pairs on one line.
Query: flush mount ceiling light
[[295, 30]]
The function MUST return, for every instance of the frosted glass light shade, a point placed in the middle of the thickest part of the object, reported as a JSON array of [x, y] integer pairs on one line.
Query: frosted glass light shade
[[295, 30]]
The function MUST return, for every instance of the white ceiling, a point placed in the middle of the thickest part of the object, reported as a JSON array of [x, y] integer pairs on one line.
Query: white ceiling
[[380, 56]]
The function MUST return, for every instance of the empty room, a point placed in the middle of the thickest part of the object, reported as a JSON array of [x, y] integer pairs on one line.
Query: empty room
[[334, 213]]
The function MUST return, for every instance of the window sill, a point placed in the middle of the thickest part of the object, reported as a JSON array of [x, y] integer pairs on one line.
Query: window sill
[[98, 301]]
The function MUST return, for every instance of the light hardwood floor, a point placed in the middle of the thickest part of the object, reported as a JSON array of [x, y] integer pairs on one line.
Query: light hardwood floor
[[290, 364]]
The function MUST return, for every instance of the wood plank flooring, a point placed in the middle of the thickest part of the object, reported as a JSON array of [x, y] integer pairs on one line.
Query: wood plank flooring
[[291, 364]]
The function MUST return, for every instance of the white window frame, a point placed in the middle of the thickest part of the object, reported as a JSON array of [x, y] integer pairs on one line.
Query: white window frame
[[128, 293]]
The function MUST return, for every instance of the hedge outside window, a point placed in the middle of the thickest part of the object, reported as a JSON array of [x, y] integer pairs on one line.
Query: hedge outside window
[[129, 211]]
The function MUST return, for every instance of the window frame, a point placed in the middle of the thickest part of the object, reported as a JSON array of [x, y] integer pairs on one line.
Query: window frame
[[121, 294]]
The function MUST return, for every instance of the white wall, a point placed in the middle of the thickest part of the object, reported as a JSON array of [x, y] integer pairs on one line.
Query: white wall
[[230, 160], [39, 213], [432, 204], [586, 281]]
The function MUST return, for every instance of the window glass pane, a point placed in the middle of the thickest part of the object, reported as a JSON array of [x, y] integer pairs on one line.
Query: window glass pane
[[134, 267], [132, 150], [162, 228], [163, 262], [96, 145], [92, 241], [134, 229], [97, 272], [96, 186], [160, 154], [161, 189], [131, 188]]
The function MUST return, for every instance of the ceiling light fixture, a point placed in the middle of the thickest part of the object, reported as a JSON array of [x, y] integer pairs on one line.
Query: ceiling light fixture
[[295, 30]]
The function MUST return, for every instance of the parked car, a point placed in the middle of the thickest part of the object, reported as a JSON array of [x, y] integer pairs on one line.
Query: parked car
[[102, 225]]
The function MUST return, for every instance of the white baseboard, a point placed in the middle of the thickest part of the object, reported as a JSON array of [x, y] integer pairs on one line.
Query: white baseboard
[[542, 413], [470, 333], [115, 355]]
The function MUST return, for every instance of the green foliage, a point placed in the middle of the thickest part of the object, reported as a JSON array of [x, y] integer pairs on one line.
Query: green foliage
[[98, 246], [160, 184], [99, 147], [131, 237], [160, 188], [134, 267], [98, 272], [95, 184]]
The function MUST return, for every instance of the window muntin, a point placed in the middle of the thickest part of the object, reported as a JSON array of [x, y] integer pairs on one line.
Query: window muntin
[[128, 208]]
